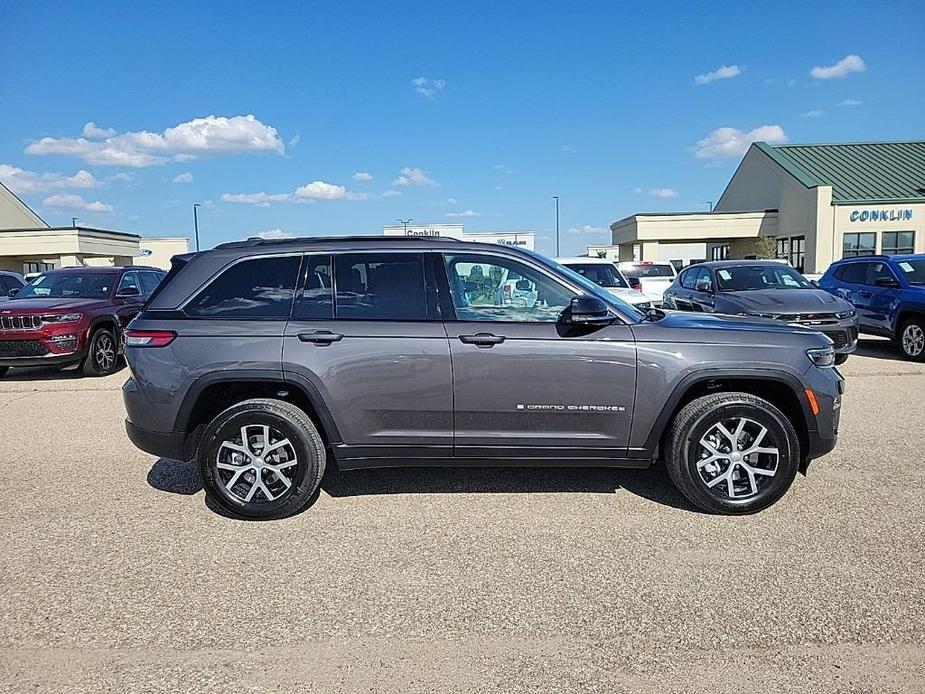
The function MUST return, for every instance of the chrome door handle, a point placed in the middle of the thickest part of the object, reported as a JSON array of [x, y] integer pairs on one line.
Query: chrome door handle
[[482, 339], [320, 337]]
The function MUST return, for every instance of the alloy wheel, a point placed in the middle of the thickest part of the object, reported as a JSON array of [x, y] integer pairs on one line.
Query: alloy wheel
[[913, 340], [256, 466], [105, 352], [737, 457]]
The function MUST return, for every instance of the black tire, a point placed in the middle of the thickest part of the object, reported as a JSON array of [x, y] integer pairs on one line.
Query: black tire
[[698, 420], [912, 339], [229, 488], [841, 359], [4, 370], [102, 355]]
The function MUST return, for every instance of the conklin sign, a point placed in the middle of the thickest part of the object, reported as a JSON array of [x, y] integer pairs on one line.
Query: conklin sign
[[880, 215]]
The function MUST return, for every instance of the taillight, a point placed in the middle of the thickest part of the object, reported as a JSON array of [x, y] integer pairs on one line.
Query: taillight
[[149, 338]]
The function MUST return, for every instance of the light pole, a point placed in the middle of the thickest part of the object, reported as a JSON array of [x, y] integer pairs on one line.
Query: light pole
[[405, 223], [556, 198], [710, 203], [196, 223], [74, 222]]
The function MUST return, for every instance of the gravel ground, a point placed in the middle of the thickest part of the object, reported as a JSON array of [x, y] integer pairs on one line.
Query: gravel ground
[[118, 576]]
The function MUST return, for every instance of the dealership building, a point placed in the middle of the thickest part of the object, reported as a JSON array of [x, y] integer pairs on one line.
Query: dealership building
[[818, 203], [523, 239], [29, 244]]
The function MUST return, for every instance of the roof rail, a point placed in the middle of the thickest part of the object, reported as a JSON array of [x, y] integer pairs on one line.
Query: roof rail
[[259, 241]]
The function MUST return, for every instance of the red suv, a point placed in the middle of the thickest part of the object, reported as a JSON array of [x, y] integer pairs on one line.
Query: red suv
[[73, 316]]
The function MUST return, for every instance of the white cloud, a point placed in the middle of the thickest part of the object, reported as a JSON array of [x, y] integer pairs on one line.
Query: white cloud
[[841, 69], [70, 201], [362, 176], [657, 192], [92, 131], [122, 177], [183, 178], [22, 181], [732, 142], [258, 199], [812, 113], [567, 149], [413, 177], [209, 136], [451, 201], [320, 190], [390, 193], [503, 168], [275, 234], [587, 229], [428, 86], [294, 140], [850, 102], [724, 72], [465, 213]]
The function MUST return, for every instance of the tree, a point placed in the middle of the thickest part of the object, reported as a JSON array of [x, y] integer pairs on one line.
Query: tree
[[765, 247]]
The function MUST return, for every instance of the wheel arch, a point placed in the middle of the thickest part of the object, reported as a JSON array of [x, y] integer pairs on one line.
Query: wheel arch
[[904, 314], [783, 390], [213, 393]]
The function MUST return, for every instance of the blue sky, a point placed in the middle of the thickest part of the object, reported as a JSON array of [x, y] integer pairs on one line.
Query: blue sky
[[478, 109]]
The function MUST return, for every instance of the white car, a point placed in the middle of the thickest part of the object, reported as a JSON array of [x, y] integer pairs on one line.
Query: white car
[[605, 274], [653, 278]]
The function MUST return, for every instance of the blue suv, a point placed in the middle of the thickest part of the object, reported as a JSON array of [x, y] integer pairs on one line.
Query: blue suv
[[888, 292]]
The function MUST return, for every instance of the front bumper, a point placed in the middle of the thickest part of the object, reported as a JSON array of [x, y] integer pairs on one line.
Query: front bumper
[[843, 333], [828, 386], [48, 345]]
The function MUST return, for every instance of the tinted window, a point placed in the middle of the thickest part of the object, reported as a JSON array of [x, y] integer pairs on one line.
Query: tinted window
[[490, 288], [913, 270], [129, 281], [647, 270], [702, 280], [259, 288], [318, 295], [853, 273], [878, 271], [70, 284], [380, 286], [149, 281], [602, 274], [689, 278]]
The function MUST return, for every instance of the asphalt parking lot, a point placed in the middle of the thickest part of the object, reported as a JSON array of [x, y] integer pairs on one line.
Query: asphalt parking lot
[[117, 576]]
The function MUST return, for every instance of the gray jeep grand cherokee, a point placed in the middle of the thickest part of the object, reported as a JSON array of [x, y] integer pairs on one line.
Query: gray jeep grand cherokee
[[268, 360]]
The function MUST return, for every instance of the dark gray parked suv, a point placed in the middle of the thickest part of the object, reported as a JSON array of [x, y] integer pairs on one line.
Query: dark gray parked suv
[[268, 360]]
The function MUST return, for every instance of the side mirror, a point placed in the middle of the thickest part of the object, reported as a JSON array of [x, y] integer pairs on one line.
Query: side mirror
[[815, 283], [704, 286], [128, 292], [588, 310], [523, 285], [13, 292], [886, 282], [634, 283]]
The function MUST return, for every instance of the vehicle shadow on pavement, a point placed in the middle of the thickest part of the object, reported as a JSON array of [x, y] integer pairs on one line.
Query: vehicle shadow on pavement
[[879, 349], [652, 484], [46, 373]]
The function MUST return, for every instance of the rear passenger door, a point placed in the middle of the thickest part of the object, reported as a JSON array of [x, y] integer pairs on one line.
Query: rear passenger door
[[881, 297], [366, 336]]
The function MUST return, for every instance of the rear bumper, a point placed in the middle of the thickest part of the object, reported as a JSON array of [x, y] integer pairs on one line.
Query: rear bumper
[[162, 444]]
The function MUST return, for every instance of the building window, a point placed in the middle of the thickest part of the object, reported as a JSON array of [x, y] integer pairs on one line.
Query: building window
[[719, 252], [782, 249], [896, 242], [31, 266], [798, 252], [864, 243]]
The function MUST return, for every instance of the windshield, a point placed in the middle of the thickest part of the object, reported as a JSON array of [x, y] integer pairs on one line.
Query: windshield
[[743, 278], [590, 287], [647, 270], [602, 274], [913, 270], [69, 285]]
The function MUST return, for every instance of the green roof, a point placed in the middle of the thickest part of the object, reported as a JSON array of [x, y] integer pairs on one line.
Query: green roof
[[859, 172]]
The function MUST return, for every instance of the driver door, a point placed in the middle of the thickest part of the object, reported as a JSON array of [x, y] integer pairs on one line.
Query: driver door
[[525, 384]]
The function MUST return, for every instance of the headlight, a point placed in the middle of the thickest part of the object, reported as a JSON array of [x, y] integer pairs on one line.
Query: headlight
[[62, 318], [823, 357], [846, 314]]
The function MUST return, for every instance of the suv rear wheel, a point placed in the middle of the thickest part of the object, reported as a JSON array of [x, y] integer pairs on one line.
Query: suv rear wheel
[[732, 453], [3, 370], [912, 339], [262, 459]]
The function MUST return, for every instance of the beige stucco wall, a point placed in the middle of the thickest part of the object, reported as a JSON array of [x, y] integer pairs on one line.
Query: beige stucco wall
[[841, 224], [15, 214], [162, 250]]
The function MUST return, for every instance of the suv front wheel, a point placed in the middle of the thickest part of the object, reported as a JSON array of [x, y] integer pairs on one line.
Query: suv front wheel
[[262, 459], [912, 339], [732, 453]]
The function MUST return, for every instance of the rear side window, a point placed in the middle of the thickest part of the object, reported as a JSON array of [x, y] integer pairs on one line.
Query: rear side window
[[317, 301], [380, 286], [149, 281], [853, 273], [689, 279], [258, 288]]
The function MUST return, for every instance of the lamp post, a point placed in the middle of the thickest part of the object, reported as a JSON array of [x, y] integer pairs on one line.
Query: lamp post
[[556, 198], [405, 223], [710, 203], [196, 223], [74, 222]]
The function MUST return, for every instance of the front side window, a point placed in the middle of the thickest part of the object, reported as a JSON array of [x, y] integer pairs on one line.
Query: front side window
[[858, 244], [878, 271], [258, 288], [898, 242], [70, 285], [751, 277], [913, 270], [380, 286], [129, 282], [602, 274], [489, 288], [150, 280]]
